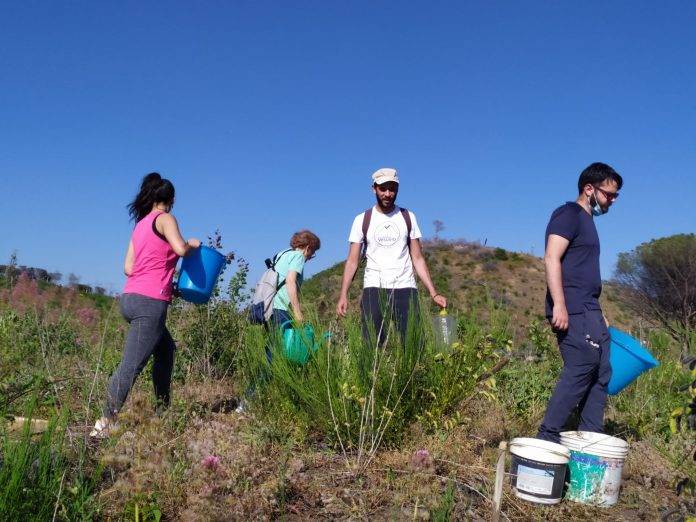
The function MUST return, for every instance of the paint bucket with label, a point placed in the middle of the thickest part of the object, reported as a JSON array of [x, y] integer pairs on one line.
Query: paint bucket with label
[[538, 469], [596, 462]]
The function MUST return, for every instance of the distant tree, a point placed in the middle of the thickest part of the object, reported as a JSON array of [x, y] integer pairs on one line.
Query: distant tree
[[11, 270], [100, 290], [658, 281], [73, 279], [439, 227], [55, 277], [84, 289], [41, 274]]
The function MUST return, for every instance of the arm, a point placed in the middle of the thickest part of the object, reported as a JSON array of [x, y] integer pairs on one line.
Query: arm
[[291, 284], [348, 274], [167, 226], [130, 259], [555, 248], [421, 269]]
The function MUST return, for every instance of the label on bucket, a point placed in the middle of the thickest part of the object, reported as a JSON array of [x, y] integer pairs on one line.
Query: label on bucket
[[594, 479], [535, 480]]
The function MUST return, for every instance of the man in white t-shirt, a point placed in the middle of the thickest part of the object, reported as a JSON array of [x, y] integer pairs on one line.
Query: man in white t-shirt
[[392, 247]]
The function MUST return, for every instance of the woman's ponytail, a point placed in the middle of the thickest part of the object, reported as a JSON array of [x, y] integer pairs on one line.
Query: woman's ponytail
[[153, 189]]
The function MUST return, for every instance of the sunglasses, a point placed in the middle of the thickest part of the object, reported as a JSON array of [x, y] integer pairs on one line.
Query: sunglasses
[[611, 196]]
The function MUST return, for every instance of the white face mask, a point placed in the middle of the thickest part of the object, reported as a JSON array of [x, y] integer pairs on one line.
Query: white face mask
[[596, 209]]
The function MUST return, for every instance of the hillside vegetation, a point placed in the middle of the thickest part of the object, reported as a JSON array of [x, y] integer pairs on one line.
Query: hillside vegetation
[[408, 432], [471, 275]]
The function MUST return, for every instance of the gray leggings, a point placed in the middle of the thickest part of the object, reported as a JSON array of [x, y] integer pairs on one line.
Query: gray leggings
[[147, 335]]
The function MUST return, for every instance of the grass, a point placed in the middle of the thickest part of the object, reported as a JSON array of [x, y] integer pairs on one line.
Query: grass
[[335, 438], [359, 396]]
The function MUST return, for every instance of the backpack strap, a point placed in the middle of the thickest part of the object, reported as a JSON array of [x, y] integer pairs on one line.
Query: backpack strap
[[367, 217], [366, 224], [407, 219], [276, 258]]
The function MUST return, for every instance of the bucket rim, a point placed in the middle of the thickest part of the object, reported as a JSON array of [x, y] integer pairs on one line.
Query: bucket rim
[[642, 355], [210, 249], [573, 440], [547, 445]]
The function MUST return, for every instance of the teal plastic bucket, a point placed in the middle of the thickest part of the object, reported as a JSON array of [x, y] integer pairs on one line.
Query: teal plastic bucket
[[300, 343], [199, 274], [628, 360], [595, 466]]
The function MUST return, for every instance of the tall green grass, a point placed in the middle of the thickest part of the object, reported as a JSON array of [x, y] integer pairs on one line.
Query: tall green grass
[[360, 396], [40, 476]]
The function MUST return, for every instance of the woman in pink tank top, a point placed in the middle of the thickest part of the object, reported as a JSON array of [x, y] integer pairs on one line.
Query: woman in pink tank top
[[153, 251]]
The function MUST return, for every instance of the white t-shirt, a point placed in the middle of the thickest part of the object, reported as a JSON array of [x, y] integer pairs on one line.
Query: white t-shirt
[[388, 258]]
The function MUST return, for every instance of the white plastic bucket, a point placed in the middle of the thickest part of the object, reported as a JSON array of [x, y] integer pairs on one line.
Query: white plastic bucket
[[596, 463], [538, 469]]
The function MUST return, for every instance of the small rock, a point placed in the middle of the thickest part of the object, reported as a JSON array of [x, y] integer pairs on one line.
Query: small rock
[[296, 465]]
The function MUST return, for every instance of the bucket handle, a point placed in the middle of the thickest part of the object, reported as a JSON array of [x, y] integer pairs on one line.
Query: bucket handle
[[559, 453], [598, 441]]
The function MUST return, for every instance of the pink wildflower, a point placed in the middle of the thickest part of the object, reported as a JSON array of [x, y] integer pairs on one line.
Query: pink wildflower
[[421, 459], [87, 316], [211, 462]]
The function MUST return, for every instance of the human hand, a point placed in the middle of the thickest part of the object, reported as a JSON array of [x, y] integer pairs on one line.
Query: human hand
[[299, 318], [194, 243], [560, 318], [342, 306], [440, 300]]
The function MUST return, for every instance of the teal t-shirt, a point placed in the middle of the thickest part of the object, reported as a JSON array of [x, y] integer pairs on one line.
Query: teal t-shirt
[[293, 260]]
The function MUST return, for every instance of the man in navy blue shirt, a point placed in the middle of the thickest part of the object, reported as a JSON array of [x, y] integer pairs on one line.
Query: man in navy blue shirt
[[572, 303]]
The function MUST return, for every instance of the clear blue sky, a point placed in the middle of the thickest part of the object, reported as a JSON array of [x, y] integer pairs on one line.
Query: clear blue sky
[[271, 116]]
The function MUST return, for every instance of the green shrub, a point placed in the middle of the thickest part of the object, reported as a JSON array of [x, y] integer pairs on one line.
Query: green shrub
[[360, 397], [500, 254]]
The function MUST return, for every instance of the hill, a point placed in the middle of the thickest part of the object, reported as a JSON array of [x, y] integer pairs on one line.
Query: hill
[[470, 274]]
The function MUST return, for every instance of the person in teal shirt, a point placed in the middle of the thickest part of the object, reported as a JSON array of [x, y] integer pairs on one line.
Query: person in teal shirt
[[290, 266]]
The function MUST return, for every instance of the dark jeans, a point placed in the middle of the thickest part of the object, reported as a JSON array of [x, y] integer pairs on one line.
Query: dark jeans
[[278, 319], [378, 306], [147, 336], [583, 382]]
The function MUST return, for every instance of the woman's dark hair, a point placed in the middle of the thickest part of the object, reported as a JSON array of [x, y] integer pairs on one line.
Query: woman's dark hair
[[153, 189], [596, 173]]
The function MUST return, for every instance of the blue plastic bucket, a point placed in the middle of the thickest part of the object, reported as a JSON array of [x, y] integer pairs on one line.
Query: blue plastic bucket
[[199, 274], [628, 360]]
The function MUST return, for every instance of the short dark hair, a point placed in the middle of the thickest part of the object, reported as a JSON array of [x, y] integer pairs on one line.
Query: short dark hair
[[597, 173]]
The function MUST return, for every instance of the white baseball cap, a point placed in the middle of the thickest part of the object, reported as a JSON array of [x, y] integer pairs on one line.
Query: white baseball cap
[[384, 176]]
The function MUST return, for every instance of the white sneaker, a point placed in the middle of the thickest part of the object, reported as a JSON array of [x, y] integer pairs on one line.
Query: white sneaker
[[241, 407], [101, 428]]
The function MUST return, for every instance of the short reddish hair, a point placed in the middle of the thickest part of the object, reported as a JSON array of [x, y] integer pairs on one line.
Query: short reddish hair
[[304, 239]]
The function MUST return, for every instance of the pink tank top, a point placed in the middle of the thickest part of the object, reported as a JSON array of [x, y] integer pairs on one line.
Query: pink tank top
[[155, 262]]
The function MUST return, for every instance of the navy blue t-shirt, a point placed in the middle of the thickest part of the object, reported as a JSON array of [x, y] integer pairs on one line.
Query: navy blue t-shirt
[[582, 282]]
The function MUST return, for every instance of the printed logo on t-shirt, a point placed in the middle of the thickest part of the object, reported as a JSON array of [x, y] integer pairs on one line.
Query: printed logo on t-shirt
[[387, 234]]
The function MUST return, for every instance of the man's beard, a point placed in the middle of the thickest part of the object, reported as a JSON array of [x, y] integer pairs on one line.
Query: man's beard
[[385, 203]]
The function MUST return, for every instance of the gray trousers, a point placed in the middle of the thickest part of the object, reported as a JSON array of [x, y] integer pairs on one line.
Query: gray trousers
[[147, 336]]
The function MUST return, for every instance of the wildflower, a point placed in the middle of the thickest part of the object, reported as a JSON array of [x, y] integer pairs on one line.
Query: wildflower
[[421, 459], [211, 462]]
